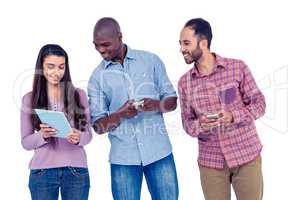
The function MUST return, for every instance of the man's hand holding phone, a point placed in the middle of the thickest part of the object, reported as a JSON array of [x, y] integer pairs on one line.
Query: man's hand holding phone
[[148, 105], [209, 121]]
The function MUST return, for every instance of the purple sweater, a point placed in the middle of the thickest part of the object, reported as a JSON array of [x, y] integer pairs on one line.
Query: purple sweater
[[45, 154]]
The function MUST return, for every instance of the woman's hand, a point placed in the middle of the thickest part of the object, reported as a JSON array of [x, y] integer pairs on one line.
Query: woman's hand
[[47, 131], [74, 136]]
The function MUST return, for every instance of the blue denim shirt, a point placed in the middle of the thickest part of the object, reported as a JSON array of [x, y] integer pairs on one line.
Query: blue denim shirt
[[142, 139]]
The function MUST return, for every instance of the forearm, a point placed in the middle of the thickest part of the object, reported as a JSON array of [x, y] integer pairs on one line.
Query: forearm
[[254, 104], [251, 110], [85, 137], [30, 139], [167, 105], [33, 141], [108, 123], [194, 129]]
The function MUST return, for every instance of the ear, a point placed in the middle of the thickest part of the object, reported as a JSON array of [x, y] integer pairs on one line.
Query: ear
[[120, 36], [203, 44]]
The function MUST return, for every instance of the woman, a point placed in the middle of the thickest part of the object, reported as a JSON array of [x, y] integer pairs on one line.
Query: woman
[[57, 163]]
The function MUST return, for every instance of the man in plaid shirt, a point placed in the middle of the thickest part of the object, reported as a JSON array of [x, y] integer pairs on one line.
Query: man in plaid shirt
[[219, 103]]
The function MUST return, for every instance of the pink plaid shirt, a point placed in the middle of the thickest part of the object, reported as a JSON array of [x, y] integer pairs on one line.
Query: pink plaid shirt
[[230, 87]]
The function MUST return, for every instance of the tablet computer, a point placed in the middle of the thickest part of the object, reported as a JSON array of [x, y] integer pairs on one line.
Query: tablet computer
[[56, 120]]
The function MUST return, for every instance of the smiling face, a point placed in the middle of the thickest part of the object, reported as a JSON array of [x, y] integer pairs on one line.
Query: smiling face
[[191, 46], [108, 44], [54, 69]]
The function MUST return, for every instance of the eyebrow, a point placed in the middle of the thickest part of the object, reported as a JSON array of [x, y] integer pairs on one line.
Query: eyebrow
[[181, 41], [102, 43], [54, 64]]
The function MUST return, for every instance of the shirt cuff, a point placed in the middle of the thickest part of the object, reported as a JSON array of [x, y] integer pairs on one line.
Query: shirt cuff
[[85, 138], [204, 135], [95, 118], [236, 116], [168, 95]]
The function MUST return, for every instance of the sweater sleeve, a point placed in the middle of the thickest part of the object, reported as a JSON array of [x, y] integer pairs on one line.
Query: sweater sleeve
[[30, 138], [86, 136]]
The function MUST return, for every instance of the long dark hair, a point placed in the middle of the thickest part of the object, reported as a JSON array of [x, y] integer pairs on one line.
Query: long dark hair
[[72, 105]]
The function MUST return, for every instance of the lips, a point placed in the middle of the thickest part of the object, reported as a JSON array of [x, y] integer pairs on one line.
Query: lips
[[188, 58], [55, 79], [104, 55], [185, 55]]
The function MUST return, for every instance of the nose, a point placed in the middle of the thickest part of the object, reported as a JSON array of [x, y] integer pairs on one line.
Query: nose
[[56, 71], [182, 49], [101, 50]]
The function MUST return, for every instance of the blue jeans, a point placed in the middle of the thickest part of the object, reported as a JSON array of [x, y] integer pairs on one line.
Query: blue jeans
[[160, 176], [73, 182]]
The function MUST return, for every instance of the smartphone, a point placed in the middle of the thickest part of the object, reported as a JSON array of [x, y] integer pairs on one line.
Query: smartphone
[[137, 104], [213, 116]]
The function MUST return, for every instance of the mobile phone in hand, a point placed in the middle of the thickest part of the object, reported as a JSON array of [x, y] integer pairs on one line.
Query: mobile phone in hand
[[137, 104], [213, 117]]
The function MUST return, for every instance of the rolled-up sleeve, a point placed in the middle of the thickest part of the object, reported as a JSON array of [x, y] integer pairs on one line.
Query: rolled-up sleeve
[[97, 99], [162, 80]]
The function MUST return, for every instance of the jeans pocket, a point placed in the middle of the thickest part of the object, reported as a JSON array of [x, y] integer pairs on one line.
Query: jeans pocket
[[37, 173], [79, 172]]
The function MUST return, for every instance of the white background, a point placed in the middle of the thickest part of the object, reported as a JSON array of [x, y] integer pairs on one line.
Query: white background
[[265, 34]]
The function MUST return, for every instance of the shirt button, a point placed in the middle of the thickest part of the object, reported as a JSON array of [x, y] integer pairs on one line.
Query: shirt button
[[140, 144]]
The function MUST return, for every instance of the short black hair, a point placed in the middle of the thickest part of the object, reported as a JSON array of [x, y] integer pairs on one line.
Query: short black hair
[[202, 29], [107, 23]]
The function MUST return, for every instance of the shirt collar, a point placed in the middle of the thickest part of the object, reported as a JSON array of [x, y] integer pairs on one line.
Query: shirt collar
[[129, 55], [219, 63]]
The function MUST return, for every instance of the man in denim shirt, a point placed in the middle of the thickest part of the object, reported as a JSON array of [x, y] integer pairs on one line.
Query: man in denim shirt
[[128, 93]]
